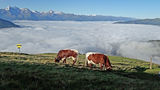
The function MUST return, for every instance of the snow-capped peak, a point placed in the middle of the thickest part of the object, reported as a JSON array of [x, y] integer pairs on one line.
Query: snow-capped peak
[[35, 11], [93, 15], [13, 8], [51, 11], [58, 12], [7, 8], [25, 9]]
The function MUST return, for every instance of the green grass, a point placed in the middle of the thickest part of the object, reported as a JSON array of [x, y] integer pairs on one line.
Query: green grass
[[40, 72]]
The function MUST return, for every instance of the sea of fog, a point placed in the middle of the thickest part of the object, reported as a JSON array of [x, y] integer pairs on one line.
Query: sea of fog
[[127, 40]]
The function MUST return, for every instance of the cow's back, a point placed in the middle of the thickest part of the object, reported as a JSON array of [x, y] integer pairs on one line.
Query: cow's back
[[96, 58], [67, 53]]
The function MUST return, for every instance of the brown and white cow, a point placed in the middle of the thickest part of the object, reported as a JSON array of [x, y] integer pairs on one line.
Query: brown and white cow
[[97, 58], [67, 53]]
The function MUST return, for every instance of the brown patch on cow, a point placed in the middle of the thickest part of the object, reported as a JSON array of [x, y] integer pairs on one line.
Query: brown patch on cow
[[64, 54], [101, 59]]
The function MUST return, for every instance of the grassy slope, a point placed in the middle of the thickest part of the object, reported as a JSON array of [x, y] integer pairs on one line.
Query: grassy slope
[[39, 72]]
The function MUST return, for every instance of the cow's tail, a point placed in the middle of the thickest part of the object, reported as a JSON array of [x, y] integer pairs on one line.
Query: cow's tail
[[107, 63], [75, 60]]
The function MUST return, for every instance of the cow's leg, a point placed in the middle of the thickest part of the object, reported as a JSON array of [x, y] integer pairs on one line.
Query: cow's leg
[[87, 63], [74, 60], [105, 68], [90, 65], [64, 60], [101, 66]]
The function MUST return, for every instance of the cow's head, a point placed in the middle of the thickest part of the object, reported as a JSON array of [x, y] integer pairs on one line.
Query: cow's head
[[57, 59]]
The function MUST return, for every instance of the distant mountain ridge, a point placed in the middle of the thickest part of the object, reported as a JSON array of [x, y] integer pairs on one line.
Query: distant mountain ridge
[[7, 24], [15, 13], [155, 21]]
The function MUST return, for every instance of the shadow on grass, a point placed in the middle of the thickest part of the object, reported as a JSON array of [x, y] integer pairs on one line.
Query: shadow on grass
[[19, 76], [140, 69], [139, 74]]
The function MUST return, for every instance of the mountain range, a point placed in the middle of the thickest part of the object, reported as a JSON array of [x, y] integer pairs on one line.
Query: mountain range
[[155, 21], [7, 24], [15, 13]]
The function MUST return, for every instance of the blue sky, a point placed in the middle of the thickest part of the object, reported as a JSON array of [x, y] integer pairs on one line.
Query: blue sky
[[127, 8]]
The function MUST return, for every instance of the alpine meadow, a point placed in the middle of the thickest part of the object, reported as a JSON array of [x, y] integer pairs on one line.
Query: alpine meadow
[[79, 45]]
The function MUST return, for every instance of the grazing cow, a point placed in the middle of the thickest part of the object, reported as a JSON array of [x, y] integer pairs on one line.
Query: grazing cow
[[67, 53], [97, 58]]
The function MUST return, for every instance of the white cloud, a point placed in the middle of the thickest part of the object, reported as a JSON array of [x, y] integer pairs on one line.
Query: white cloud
[[127, 40]]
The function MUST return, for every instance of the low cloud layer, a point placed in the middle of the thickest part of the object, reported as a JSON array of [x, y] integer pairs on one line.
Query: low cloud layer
[[126, 40]]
